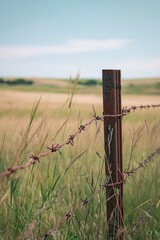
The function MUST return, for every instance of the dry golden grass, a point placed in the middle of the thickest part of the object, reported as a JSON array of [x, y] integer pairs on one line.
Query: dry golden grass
[[23, 195], [22, 99]]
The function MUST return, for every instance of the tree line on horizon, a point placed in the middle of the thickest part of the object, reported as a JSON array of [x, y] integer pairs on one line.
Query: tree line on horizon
[[19, 81]]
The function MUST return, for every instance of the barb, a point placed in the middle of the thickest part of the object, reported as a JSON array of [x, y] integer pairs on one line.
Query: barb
[[54, 148]]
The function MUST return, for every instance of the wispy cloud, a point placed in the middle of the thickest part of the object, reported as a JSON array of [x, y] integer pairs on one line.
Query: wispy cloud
[[70, 47]]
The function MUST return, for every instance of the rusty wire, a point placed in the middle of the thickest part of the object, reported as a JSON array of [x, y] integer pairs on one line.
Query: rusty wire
[[128, 110], [54, 148], [135, 170], [143, 164], [84, 202], [70, 214], [65, 218]]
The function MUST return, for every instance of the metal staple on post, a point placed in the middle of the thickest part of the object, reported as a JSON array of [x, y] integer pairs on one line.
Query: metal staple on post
[[113, 153]]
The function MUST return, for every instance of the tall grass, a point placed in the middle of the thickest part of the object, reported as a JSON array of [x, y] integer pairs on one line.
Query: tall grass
[[35, 203]]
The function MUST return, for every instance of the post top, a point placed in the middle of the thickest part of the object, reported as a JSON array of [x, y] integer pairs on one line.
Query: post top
[[110, 70]]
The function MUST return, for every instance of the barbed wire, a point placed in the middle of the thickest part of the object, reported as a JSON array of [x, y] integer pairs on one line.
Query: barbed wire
[[85, 201], [143, 164], [134, 170], [72, 213], [128, 110], [54, 148], [65, 218]]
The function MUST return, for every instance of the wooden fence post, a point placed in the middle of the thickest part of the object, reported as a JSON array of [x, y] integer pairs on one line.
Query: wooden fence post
[[113, 153]]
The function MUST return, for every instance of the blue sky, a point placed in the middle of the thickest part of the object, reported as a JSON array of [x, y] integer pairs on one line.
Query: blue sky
[[58, 38]]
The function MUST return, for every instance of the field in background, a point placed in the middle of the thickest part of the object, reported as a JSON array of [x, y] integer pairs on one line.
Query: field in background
[[83, 86], [34, 201]]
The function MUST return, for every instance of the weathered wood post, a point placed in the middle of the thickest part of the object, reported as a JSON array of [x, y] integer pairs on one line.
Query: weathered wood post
[[113, 152]]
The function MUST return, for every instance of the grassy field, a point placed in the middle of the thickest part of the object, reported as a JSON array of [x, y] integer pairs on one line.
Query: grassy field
[[34, 202], [85, 86]]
